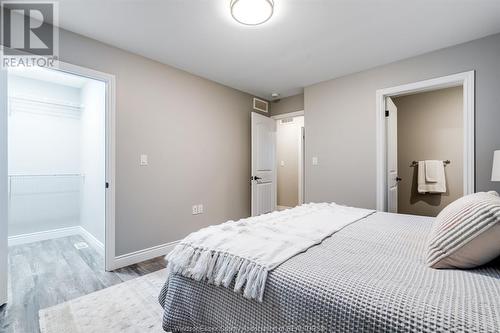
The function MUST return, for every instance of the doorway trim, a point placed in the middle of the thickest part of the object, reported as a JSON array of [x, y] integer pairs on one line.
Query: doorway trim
[[3, 193], [464, 79], [301, 153]]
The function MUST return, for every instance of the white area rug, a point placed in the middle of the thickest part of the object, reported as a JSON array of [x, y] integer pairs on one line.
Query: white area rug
[[128, 307]]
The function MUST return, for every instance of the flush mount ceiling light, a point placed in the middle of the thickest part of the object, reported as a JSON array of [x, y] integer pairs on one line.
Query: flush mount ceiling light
[[252, 12]]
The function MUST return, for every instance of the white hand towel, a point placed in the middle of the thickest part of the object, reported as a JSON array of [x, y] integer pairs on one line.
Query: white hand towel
[[432, 170], [436, 172]]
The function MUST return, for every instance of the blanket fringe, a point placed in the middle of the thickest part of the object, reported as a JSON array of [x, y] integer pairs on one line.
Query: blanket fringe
[[219, 269]]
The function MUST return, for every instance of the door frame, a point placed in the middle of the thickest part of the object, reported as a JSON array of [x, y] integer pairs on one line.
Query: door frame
[[301, 154], [392, 155], [110, 156], [4, 256], [465, 80]]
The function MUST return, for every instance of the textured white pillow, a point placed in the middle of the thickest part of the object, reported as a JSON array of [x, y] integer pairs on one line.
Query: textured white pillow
[[466, 233]]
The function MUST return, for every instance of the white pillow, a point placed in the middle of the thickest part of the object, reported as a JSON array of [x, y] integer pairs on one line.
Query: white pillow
[[466, 233]]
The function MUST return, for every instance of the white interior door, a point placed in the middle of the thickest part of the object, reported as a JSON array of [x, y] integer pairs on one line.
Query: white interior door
[[3, 188], [263, 164], [392, 155]]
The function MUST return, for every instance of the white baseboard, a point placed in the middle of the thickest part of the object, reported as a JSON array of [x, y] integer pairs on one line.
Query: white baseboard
[[43, 235], [58, 233], [143, 255], [92, 240], [119, 261]]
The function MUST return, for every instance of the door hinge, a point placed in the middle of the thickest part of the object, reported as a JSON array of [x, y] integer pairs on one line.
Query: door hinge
[[387, 113], [107, 185]]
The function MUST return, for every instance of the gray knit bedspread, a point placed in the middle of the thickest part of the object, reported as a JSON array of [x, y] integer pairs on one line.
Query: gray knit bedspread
[[369, 277]]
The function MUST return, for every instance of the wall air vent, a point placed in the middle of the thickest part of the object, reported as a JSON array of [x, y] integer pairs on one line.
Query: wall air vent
[[260, 105]]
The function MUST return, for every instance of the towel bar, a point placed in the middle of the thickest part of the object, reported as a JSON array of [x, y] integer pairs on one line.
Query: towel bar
[[415, 163]]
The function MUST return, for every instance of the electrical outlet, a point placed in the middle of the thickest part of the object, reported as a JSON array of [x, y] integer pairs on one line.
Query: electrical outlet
[[144, 160], [200, 209], [314, 160], [195, 209]]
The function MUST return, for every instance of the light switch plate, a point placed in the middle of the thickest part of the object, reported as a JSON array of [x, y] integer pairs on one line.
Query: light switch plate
[[282, 163], [144, 160], [314, 160], [195, 209], [200, 209]]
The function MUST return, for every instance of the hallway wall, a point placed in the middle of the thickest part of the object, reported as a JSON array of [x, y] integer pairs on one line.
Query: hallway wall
[[288, 144]]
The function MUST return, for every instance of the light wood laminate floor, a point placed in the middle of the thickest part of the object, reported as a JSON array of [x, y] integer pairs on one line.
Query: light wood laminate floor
[[50, 272]]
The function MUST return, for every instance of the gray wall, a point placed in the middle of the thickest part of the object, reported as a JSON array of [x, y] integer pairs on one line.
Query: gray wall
[[196, 133], [288, 104], [430, 127], [340, 120]]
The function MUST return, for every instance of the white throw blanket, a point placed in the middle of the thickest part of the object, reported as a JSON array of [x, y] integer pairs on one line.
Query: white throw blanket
[[246, 250]]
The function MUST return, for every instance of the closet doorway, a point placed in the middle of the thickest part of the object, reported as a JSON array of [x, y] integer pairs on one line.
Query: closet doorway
[[425, 159], [290, 146], [56, 157], [60, 162]]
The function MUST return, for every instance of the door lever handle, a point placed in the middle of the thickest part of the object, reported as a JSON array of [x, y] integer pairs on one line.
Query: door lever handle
[[398, 179], [255, 178]]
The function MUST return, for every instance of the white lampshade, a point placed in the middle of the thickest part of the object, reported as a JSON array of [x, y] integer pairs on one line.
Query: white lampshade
[[495, 172]]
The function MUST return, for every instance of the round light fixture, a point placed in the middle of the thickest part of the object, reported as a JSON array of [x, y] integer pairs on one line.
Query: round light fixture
[[252, 12]]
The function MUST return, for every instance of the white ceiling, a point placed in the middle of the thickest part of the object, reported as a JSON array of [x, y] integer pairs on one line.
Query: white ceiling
[[305, 42]]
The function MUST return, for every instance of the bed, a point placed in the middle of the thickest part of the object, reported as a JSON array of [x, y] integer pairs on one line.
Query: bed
[[370, 276]]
